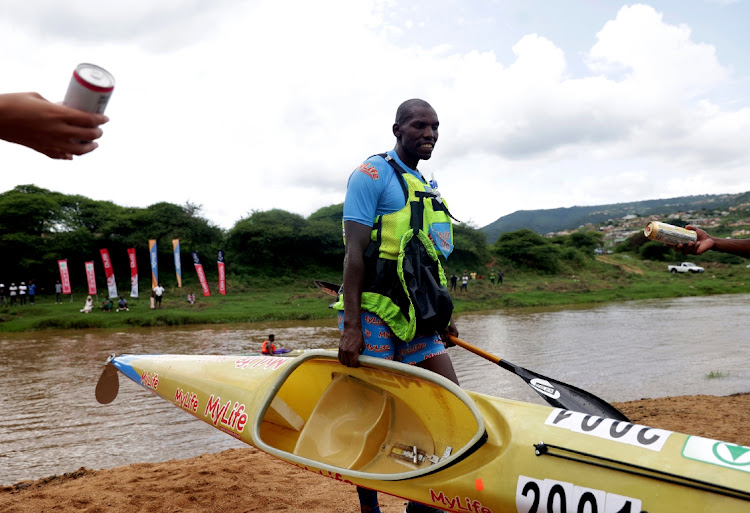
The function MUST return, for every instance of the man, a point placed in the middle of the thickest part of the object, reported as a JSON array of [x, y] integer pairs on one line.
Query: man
[[22, 293], [158, 292], [376, 201], [58, 292], [13, 291], [3, 299], [122, 305], [454, 280], [465, 282], [269, 347]]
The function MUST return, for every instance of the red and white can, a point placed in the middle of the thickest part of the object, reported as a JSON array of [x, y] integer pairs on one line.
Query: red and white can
[[90, 88]]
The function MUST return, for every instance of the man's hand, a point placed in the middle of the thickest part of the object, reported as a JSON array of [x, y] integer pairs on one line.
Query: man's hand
[[54, 130], [450, 331], [704, 243], [351, 345]]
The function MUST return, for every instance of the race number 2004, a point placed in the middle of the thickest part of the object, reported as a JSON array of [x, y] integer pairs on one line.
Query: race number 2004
[[550, 496]]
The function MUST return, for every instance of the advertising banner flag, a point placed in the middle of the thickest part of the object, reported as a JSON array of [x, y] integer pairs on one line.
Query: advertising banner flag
[[64, 276], [154, 263], [90, 277], [222, 275], [201, 274], [133, 273], [109, 273], [177, 262]]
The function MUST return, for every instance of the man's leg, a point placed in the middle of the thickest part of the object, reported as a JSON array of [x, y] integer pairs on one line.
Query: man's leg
[[368, 500]]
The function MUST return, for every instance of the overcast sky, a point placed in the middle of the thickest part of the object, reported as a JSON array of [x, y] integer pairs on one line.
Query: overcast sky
[[251, 105]]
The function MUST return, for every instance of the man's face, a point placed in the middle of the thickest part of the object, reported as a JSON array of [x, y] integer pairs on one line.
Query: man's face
[[419, 134]]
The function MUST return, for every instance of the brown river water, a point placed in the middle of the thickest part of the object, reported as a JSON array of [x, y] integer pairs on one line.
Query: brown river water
[[52, 424]]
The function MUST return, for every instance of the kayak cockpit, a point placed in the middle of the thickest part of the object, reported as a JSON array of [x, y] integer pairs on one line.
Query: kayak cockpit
[[369, 421]]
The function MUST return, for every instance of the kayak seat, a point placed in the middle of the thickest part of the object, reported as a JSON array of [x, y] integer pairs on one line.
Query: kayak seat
[[348, 426]]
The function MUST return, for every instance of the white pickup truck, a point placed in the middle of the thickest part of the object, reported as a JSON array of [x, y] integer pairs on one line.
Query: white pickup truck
[[685, 267]]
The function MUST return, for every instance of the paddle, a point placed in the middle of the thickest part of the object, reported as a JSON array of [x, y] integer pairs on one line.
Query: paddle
[[556, 393]]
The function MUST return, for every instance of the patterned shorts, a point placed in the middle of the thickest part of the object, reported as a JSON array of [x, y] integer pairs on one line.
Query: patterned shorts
[[380, 342]]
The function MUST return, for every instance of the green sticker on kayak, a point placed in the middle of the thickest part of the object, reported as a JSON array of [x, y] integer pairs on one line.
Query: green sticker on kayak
[[716, 452]]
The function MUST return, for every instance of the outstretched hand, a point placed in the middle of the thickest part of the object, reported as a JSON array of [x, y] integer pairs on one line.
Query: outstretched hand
[[701, 245], [54, 130]]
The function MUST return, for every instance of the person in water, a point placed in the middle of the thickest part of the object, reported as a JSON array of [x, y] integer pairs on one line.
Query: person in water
[[376, 209], [269, 347]]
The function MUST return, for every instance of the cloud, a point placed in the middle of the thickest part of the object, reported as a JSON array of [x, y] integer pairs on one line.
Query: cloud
[[242, 106]]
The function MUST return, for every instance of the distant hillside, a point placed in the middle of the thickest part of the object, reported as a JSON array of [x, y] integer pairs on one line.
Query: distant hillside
[[557, 219]]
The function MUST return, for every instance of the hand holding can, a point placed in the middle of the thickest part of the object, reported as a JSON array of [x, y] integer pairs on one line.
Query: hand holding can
[[669, 234]]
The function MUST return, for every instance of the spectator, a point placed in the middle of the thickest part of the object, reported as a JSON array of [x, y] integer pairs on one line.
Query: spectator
[[32, 292], [3, 299], [22, 289], [158, 292], [454, 280], [500, 275], [107, 305], [191, 298], [465, 282], [58, 292], [88, 305], [13, 292], [122, 305]]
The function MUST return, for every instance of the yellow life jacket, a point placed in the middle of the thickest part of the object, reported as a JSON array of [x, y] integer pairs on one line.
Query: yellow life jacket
[[404, 283]]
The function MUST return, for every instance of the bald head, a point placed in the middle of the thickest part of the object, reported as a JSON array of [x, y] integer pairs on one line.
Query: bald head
[[406, 109]]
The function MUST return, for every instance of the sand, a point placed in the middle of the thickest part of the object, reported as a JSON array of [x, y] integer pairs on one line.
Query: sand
[[242, 480]]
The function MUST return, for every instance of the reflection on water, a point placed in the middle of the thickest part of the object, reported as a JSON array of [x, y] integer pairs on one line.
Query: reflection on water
[[51, 422]]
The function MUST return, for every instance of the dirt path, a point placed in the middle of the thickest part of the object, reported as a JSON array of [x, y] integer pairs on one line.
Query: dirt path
[[625, 267]]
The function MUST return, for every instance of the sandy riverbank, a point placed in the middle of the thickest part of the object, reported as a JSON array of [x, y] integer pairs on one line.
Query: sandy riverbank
[[246, 480]]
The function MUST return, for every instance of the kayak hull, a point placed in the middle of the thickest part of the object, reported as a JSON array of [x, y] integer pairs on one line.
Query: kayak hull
[[411, 433]]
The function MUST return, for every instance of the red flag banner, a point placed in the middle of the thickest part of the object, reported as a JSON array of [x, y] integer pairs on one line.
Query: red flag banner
[[90, 277], [133, 273], [201, 274], [222, 275], [64, 276], [109, 273]]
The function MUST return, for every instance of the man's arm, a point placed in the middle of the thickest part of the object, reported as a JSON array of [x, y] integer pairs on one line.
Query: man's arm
[[705, 242], [49, 128], [352, 342]]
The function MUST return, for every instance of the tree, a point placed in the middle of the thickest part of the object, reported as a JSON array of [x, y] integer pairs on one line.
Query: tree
[[528, 249]]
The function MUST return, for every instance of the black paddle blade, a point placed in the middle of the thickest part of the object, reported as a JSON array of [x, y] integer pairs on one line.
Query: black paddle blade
[[568, 397], [108, 385]]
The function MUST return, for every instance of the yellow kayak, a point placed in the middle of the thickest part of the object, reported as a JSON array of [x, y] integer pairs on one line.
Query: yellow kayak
[[414, 434]]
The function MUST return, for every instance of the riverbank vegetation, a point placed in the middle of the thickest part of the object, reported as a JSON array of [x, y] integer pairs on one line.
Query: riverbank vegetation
[[273, 256]]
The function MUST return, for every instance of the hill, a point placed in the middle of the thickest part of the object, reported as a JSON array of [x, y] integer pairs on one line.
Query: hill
[[557, 219]]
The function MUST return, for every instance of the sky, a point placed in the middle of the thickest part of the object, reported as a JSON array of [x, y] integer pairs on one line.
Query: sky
[[249, 105]]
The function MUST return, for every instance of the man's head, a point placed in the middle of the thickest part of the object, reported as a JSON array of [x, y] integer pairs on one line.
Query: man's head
[[271, 337], [416, 131]]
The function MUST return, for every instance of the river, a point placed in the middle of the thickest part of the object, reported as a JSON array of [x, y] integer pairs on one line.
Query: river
[[52, 424]]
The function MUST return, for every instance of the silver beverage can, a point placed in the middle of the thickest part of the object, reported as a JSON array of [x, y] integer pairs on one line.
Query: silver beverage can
[[669, 233], [90, 88]]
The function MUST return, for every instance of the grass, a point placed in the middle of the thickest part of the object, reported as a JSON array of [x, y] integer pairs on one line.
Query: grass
[[717, 375], [619, 278]]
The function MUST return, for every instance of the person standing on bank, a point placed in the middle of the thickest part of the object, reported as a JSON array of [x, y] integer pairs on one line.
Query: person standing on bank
[[389, 196], [158, 293]]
